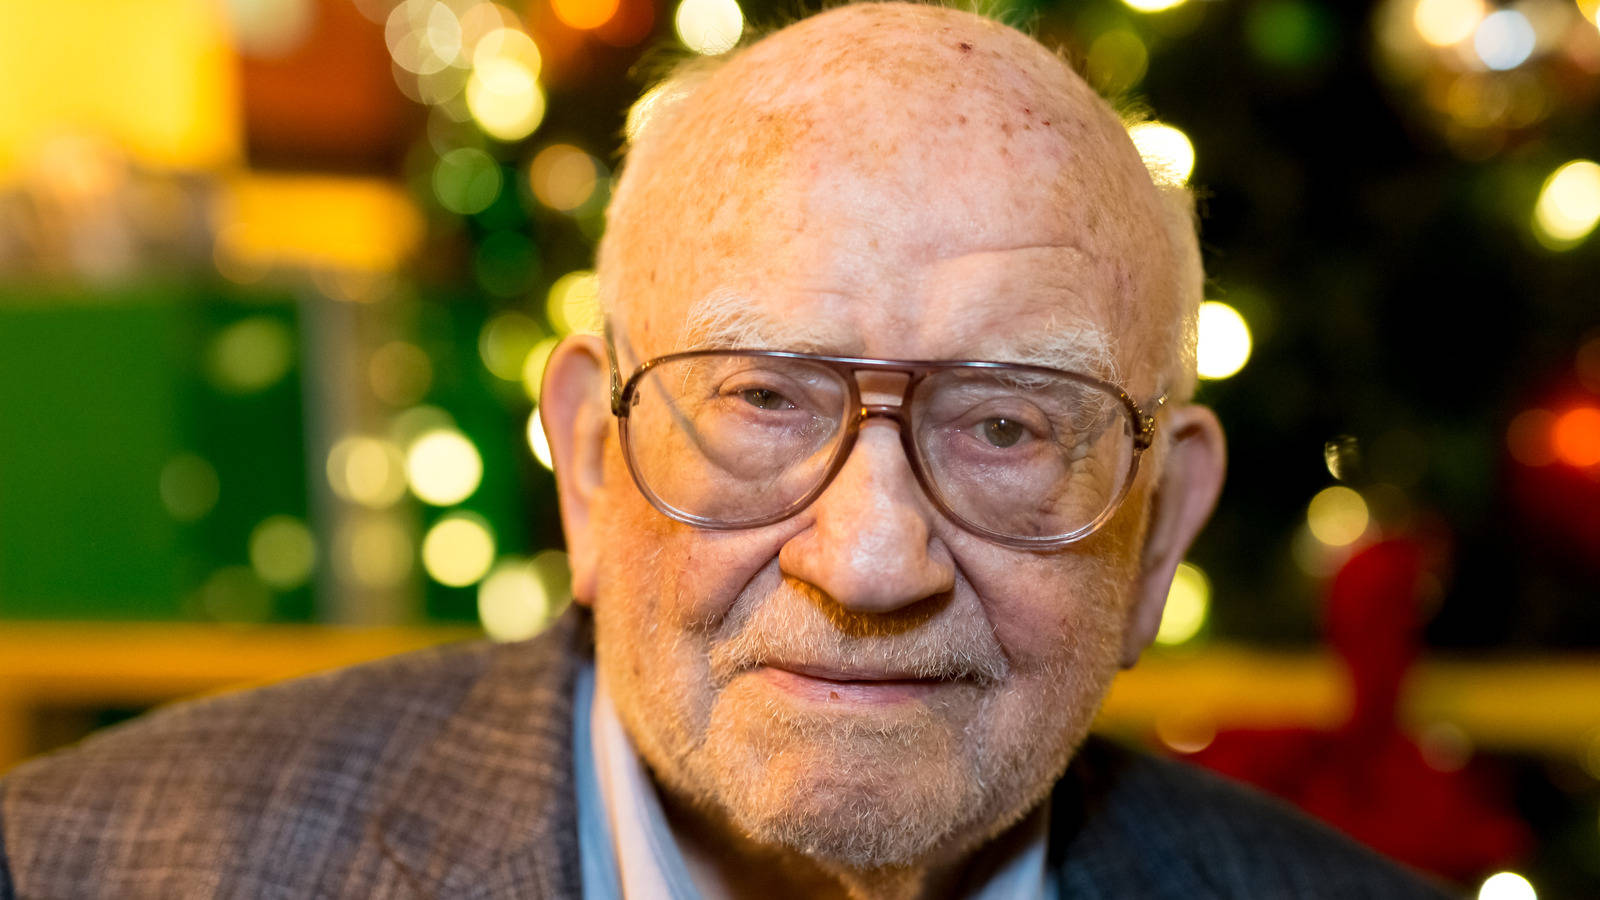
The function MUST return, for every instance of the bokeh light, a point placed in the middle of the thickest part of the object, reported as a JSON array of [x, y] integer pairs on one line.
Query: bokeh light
[[423, 36], [443, 467], [1444, 23], [188, 487], [584, 14], [1117, 61], [1507, 886], [234, 594], [1575, 437], [537, 443], [709, 27], [573, 304], [282, 552], [250, 355], [1569, 205], [466, 180], [1148, 6], [1528, 437], [1224, 341], [563, 177], [367, 470], [505, 341], [1184, 732], [1337, 516], [1188, 603], [1504, 39], [503, 92], [400, 373], [458, 550], [520, 597], [1166, 151], [374, 551], [533, 366]]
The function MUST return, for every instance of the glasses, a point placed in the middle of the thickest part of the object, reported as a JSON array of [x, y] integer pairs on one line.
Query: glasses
[[1025, 456]]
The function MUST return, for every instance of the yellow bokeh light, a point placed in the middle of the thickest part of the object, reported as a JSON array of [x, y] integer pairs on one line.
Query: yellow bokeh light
[[282, 552], [374, 551], [512, 601], [1224, 341], [1117, 60], [563, 177], [368, 471], [584, 14], [1569, 205], [1185, 732], [709, 27], [1188, 603], [505, 99], [1337, 516], [188, 487], [443, 467], [505, 341], [400, 373], [1166, 152], [458, 549], [250, 355], [1443, 23], [533, 366], [537, 441], [1507, 886], [1148, 6], [573, 303]]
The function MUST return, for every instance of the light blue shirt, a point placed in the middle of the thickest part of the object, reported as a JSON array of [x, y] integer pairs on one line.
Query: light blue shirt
[[626, 846]]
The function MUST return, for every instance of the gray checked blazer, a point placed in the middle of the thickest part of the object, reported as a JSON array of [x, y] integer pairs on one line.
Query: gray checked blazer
[[447, 774]]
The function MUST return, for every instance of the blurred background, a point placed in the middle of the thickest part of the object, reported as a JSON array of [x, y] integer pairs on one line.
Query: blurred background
[[278, 279]]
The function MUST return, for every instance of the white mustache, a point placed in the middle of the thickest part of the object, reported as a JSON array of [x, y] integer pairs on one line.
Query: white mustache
[[797, 626]]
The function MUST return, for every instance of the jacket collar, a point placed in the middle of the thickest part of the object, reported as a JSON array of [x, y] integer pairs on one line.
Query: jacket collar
[[489, 808]]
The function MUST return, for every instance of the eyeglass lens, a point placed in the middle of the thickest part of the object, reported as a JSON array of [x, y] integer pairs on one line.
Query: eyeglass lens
[[731, 440]]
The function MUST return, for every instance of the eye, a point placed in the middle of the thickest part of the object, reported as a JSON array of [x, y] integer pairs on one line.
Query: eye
[[1002, 432], [765, 398]]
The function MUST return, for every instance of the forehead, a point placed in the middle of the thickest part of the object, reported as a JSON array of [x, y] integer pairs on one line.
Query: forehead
[[930, 187]]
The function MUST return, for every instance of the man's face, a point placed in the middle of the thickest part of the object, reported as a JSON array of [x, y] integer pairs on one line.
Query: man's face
[[866, 682]]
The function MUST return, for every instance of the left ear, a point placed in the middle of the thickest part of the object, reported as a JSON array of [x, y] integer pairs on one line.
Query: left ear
[[1190, 480]]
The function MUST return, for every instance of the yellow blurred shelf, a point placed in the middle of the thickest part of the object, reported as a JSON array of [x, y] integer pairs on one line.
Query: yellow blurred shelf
[[1537, 704]]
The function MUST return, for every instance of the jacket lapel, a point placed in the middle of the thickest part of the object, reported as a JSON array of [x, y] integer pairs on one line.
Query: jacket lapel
[[490, 810]]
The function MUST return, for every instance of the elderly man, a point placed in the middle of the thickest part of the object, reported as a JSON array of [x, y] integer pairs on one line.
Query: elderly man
[[881, 472]]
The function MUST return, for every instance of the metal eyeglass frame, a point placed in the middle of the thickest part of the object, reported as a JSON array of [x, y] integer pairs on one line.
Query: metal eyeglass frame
[[624, 395]]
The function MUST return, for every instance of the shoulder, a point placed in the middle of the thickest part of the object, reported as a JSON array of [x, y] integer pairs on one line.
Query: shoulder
[[1158, 828], [296, 770]]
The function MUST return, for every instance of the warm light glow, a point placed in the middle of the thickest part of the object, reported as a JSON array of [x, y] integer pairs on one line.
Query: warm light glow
[[1148, 6], [1224, 341], [584, 14], [1575, 437], [1504, 39], [1166, 151], [650, 105], [563, 177], [574, 303], [505, 341], [1446, 22], [424, 36], [1507, 886], [513, 603], [188, 487], [316, 222], [503, 93], [400, 373], [1528, 437], [533, 366], [537, 442], [282, 552], [1337, 516], [1117, 61], [443, 467], [1569, 205], [458, 549], [250, 355], [1185, 733], [375, 552], [367, 471], [1188, 603], [709, 27]]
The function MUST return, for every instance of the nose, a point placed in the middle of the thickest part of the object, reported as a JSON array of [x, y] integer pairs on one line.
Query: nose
[[869, 543]]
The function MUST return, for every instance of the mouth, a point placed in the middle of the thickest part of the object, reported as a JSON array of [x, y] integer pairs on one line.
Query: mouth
[[824, 684]]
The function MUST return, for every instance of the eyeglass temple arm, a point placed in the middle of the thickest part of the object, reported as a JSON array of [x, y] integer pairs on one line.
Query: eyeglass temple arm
[[1146, 435]]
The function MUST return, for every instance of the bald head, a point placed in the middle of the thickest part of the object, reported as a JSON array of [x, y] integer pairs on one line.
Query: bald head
[[930, 125]]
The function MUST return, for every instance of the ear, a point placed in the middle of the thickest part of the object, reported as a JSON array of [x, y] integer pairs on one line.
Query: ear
[[575, 408], [1190, 480]]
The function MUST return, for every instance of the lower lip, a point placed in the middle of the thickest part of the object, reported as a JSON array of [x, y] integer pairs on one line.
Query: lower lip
[[827, 690]]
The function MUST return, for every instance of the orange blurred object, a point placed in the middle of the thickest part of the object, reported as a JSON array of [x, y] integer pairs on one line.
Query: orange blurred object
[[1576, 437], [584, 14]]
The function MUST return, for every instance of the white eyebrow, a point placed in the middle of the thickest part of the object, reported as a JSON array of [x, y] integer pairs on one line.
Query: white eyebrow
[[726, 319]]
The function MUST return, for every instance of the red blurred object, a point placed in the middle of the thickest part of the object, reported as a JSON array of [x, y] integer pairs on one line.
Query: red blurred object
[[1367, 778]]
